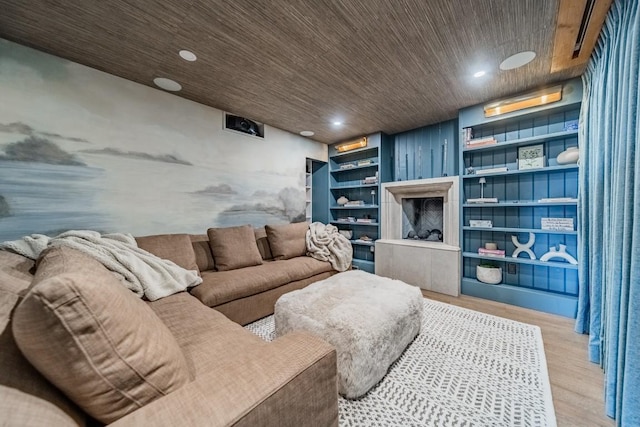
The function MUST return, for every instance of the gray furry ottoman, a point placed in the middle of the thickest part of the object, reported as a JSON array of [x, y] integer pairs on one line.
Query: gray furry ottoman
[[368, 319]]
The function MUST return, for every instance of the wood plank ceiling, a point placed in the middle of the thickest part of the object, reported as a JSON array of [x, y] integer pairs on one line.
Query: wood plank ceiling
[[301, 64]]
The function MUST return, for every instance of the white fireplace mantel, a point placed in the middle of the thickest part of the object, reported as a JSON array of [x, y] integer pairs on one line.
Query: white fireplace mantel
[[433, 266], [391, 209]]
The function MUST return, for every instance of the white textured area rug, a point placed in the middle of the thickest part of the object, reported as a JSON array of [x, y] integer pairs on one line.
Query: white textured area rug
[[465, 368]]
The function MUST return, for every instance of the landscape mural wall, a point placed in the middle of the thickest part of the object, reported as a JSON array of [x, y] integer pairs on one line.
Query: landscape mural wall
[[82, 149]]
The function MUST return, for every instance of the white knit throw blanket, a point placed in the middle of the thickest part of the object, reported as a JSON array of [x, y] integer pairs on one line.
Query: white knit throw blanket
[[326, 244], [142, 272]]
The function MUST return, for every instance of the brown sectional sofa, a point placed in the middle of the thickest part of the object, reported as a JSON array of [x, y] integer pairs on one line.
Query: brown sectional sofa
[[115, 359], [249, 293]]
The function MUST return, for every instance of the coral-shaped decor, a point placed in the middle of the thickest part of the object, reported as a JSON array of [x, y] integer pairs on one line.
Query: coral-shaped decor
[[562, 254], [524, 247]]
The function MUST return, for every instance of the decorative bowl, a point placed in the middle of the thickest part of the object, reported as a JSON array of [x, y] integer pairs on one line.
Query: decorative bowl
[[490, 275]]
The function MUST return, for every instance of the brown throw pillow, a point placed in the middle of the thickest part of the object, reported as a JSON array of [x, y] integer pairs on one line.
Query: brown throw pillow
[[94, 339], [204, 257], [174, 247], [287, 241], [234, 247], [263, 243]]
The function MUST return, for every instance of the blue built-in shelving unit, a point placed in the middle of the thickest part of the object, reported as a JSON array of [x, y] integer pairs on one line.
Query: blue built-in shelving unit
[[347, 173], [546, 286]]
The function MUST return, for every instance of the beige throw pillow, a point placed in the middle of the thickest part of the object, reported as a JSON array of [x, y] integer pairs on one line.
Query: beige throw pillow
[[94, 339], [287, 241], [174, 247], [234, 247], [26, 397]]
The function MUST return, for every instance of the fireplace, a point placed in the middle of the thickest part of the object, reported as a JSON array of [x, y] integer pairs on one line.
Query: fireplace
[[419, 234], [422, 218], [400, 201]]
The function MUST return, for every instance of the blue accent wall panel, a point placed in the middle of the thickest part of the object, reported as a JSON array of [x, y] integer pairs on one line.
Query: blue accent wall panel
[[420, 153]]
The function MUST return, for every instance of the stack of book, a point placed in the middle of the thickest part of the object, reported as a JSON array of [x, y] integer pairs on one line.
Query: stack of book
[[496, 253], [483, 200], [364, 239], [347, 219], [365, 162], [347, 166], [481, 223], [557, 200], [481, 142], [491, 170], [354, 203], [365, 220], [370, 180]]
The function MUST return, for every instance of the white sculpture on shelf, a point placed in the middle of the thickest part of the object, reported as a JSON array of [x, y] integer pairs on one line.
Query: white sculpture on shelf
[[523, 247], [562, 253], [568, 156]]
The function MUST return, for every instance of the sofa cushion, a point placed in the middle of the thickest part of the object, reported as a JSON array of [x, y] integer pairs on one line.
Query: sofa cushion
[[26, 397], [287, 241], [94, 339], [208, 338], [218, 287], [263, 243], [234, 247], [204, 257], [174, 247], [304, 266]]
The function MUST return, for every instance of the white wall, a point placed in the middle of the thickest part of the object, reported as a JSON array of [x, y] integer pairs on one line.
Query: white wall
[[82, 149]]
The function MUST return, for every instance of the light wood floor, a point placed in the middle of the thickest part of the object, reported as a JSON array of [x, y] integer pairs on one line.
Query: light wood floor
[[576, 384]]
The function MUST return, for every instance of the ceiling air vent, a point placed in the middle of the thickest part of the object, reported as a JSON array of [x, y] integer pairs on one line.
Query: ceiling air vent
[[578, 26], [586, 18]]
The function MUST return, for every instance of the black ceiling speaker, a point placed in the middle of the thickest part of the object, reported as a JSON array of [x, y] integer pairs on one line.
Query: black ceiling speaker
[[243, 125]]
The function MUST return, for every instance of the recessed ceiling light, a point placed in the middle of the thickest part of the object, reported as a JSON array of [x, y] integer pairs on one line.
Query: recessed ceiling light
[[307, 133], [167, 84], [517, 60], [479, 73], [187, 55], [337, 123]]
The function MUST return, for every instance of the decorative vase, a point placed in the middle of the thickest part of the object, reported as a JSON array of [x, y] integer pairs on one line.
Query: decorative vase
[[490, 275], [342, 200], [568, 156]]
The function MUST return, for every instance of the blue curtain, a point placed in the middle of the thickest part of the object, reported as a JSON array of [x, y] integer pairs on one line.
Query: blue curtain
[[609, 213]]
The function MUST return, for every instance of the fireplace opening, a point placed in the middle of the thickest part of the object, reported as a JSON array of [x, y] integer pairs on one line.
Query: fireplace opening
[[422, 218]]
